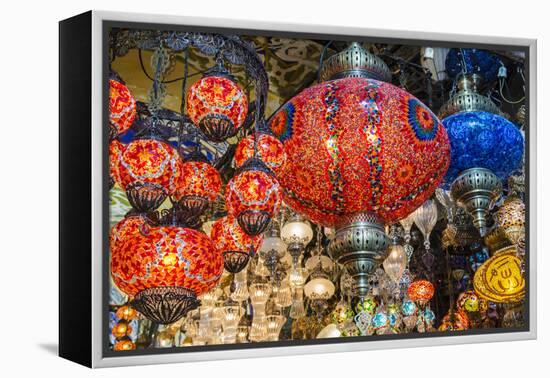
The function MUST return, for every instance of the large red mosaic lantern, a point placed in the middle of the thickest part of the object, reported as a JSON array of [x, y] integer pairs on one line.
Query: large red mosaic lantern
[[253, 196], [122, 108], [269, 149], [199, 184], [165, 269], [234, 244], [217, 105], [149, 171], [360, 153], [358, 145]]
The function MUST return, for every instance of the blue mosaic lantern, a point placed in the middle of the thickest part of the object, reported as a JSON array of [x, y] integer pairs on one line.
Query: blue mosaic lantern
[[484, 140], [472, 61]]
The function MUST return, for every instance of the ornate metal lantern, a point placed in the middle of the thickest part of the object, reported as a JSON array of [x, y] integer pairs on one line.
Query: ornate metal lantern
[[511, 218], [217, 104], [360, 153], [253, 196]]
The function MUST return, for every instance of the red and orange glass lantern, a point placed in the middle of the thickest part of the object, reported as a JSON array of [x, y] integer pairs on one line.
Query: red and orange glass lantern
[[121, 329], [421, 291], [126, 313], [116, 148], [253, 196], [165, 269], [234, 244], [217, 105], [149, 171], [270, 150], [124, 344], [456, 321], [199, 184], [357, 145], [122, 108]]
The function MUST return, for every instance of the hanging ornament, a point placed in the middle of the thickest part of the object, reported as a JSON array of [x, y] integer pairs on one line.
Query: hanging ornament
[[199, 184], [122, 107], [511, 219], [149, 171], [396, 262], [485, 147], [421, 291], [165, 268], [270, 150], [425, 218], [217, 104], [253, 196], [235, 246]]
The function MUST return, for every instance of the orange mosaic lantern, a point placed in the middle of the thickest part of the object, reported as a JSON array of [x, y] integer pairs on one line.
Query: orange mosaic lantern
[[124, 344], [165, 269], [199, 184], [458, 321], [128, 228], [235, 246], [122, 108], [217, 105], [116, 148], [270, 150], [421, 291], [121, 329], [126, 313], [253, 196], [149, 171]]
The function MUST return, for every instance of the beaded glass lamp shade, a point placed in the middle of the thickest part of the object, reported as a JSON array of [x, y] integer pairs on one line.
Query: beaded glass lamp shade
[[218, 106], [122, 107], [149, 171], [359, 145]]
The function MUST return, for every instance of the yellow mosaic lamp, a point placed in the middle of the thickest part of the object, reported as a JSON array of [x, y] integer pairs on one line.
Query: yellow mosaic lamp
[[500, 278]]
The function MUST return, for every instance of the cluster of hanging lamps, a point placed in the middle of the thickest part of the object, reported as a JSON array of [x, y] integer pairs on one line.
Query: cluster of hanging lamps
[[216, 104], [485, 147], [360, 152], [233, 243]]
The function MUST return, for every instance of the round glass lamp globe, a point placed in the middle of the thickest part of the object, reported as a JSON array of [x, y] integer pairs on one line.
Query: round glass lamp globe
[[329, 331], [325, 262], [271, 243], [297, 231], [319, 288]]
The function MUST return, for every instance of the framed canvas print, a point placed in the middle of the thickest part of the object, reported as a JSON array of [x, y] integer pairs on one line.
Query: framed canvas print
[[233, 189]]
